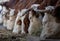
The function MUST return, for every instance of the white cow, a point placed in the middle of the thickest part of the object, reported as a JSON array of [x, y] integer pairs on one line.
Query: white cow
[[35, 23]]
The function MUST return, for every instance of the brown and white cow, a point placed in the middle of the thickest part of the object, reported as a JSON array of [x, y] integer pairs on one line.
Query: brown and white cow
[[35, 22], [19, 22], [51, 23]]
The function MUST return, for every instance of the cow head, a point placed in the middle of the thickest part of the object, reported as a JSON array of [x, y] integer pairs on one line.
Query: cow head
[[50, 26], [35, 22], [19, 22], [11, 19], [22, 20]]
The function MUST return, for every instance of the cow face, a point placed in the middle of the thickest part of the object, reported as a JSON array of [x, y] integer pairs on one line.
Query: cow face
[[35, 22], [50, 26], [1, 17], [11, 20], [19, 22]]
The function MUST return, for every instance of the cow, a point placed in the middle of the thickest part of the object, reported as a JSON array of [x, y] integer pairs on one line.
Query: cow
[[49, 24], [11, 13], [50, 21], [35, 20], [2, 12], [5, 11], [5, 15], [11, 19]]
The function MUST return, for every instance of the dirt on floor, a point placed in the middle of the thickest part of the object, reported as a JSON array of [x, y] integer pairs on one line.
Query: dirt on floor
[[8, 36]]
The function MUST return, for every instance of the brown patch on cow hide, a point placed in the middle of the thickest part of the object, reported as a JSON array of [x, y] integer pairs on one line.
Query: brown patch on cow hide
[[56, 14], [26, 22], [19, 22]]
